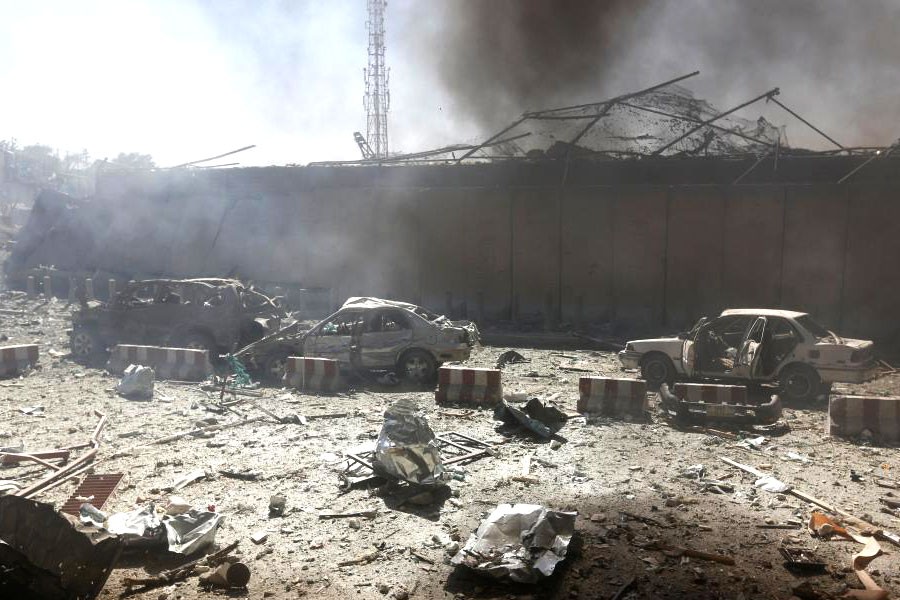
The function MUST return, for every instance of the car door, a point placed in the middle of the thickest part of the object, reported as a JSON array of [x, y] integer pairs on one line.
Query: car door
[[689, 348], [333, 338], [747, 362], [386, 333]]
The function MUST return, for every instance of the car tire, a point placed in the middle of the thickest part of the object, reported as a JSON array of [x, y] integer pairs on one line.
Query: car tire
[[85, 343], [656, 369], [273, 367], [799, 383], [417, 366]]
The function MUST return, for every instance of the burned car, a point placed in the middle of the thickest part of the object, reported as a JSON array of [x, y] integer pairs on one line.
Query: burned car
[[369, 334], [219, 315], [755, 346]]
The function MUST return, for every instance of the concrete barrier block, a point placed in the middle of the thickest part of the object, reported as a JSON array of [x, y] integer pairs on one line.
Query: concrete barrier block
[[612, 396], [16, 359], [184, 364], [849, 416], [469, 386], [711, 393], [313, 374]]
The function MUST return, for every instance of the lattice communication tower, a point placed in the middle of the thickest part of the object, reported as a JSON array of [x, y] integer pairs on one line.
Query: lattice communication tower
[[377, 99]]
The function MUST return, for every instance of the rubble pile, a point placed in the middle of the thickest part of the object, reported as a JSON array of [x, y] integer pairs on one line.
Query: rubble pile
[[377, 491]]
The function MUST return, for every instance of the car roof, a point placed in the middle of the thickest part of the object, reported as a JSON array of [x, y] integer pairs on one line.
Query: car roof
[[366, 302], [763, 312]]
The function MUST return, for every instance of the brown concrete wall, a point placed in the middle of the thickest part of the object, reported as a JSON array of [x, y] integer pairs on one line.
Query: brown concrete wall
[[814, 246], [652, 257], [753, 245], [695, 253], [872, 279]]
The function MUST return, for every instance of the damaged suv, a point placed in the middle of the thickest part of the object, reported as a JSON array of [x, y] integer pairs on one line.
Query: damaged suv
[[212, 314], [369, 334], [755, 346]]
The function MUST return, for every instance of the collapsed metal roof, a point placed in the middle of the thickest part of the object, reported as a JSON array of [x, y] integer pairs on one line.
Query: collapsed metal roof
[[665, 120]]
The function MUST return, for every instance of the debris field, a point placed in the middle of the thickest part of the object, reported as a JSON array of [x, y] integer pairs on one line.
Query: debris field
[[659, 513]]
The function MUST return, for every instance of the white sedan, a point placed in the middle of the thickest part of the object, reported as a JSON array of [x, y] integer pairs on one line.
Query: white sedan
[[751, 345]]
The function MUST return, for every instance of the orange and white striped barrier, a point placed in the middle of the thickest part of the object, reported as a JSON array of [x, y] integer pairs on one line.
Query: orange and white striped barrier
[[612, 396], [16, 359], [462, 385], [314, 374], [849, 416], [184, 364]]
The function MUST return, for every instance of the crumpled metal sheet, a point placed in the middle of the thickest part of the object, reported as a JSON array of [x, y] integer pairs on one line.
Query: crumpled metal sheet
[[407, 448], [134, 522], [521, 542], [49, 555], [190, 531], [542, 418], [185, 533]]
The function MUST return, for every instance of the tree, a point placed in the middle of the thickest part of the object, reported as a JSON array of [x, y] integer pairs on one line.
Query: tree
[[134, 160]]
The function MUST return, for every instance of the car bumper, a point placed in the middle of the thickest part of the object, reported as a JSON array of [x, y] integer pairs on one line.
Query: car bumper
[[848, 374], [630, 359]]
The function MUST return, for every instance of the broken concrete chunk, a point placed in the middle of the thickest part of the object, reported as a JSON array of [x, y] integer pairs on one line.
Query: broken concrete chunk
[[136, 383]]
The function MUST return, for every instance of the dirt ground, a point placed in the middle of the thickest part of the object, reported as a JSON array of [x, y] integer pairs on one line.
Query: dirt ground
[[624, 479]]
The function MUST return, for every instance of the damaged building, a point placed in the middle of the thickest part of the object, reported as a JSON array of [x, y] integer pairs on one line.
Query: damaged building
[[646, 211]]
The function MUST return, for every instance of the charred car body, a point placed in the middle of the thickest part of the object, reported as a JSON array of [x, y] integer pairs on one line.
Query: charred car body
[[369, 334], [755, 346], [219, 315]]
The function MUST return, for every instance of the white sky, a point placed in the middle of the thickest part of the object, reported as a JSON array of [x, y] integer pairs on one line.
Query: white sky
[[183, 80]]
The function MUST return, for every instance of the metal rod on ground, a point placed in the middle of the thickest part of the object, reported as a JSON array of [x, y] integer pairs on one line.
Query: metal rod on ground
[[811, 126], [769, 94], [617, 98], [64, 473]]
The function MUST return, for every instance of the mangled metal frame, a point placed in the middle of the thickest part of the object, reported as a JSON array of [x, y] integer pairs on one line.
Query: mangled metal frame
[[764, 413], [455, 448]]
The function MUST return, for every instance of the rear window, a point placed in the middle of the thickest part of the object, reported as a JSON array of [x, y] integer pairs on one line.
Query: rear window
[[811, 326]]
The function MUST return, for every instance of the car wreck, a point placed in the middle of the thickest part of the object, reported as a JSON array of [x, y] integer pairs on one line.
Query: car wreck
[[219, 315], [755, 346], [369, 334]]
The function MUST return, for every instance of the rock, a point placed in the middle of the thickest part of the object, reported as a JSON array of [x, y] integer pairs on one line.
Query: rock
[[353, 523], [452, 548], [555, 445], [383, 588], [258, 537]]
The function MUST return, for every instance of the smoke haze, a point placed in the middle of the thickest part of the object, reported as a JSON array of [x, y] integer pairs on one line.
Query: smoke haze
[[185, 80]]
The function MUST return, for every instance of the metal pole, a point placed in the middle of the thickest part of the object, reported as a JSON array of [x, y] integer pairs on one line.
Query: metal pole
[[692, 120], [811, 126], [489, 140], [616, 99], [694, 130], [878, 154], [748, 171]]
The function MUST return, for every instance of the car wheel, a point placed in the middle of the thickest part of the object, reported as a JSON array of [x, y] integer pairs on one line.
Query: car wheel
[[85, 343], [656, 369], [799, 383], [273, 367], [418, 366]]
